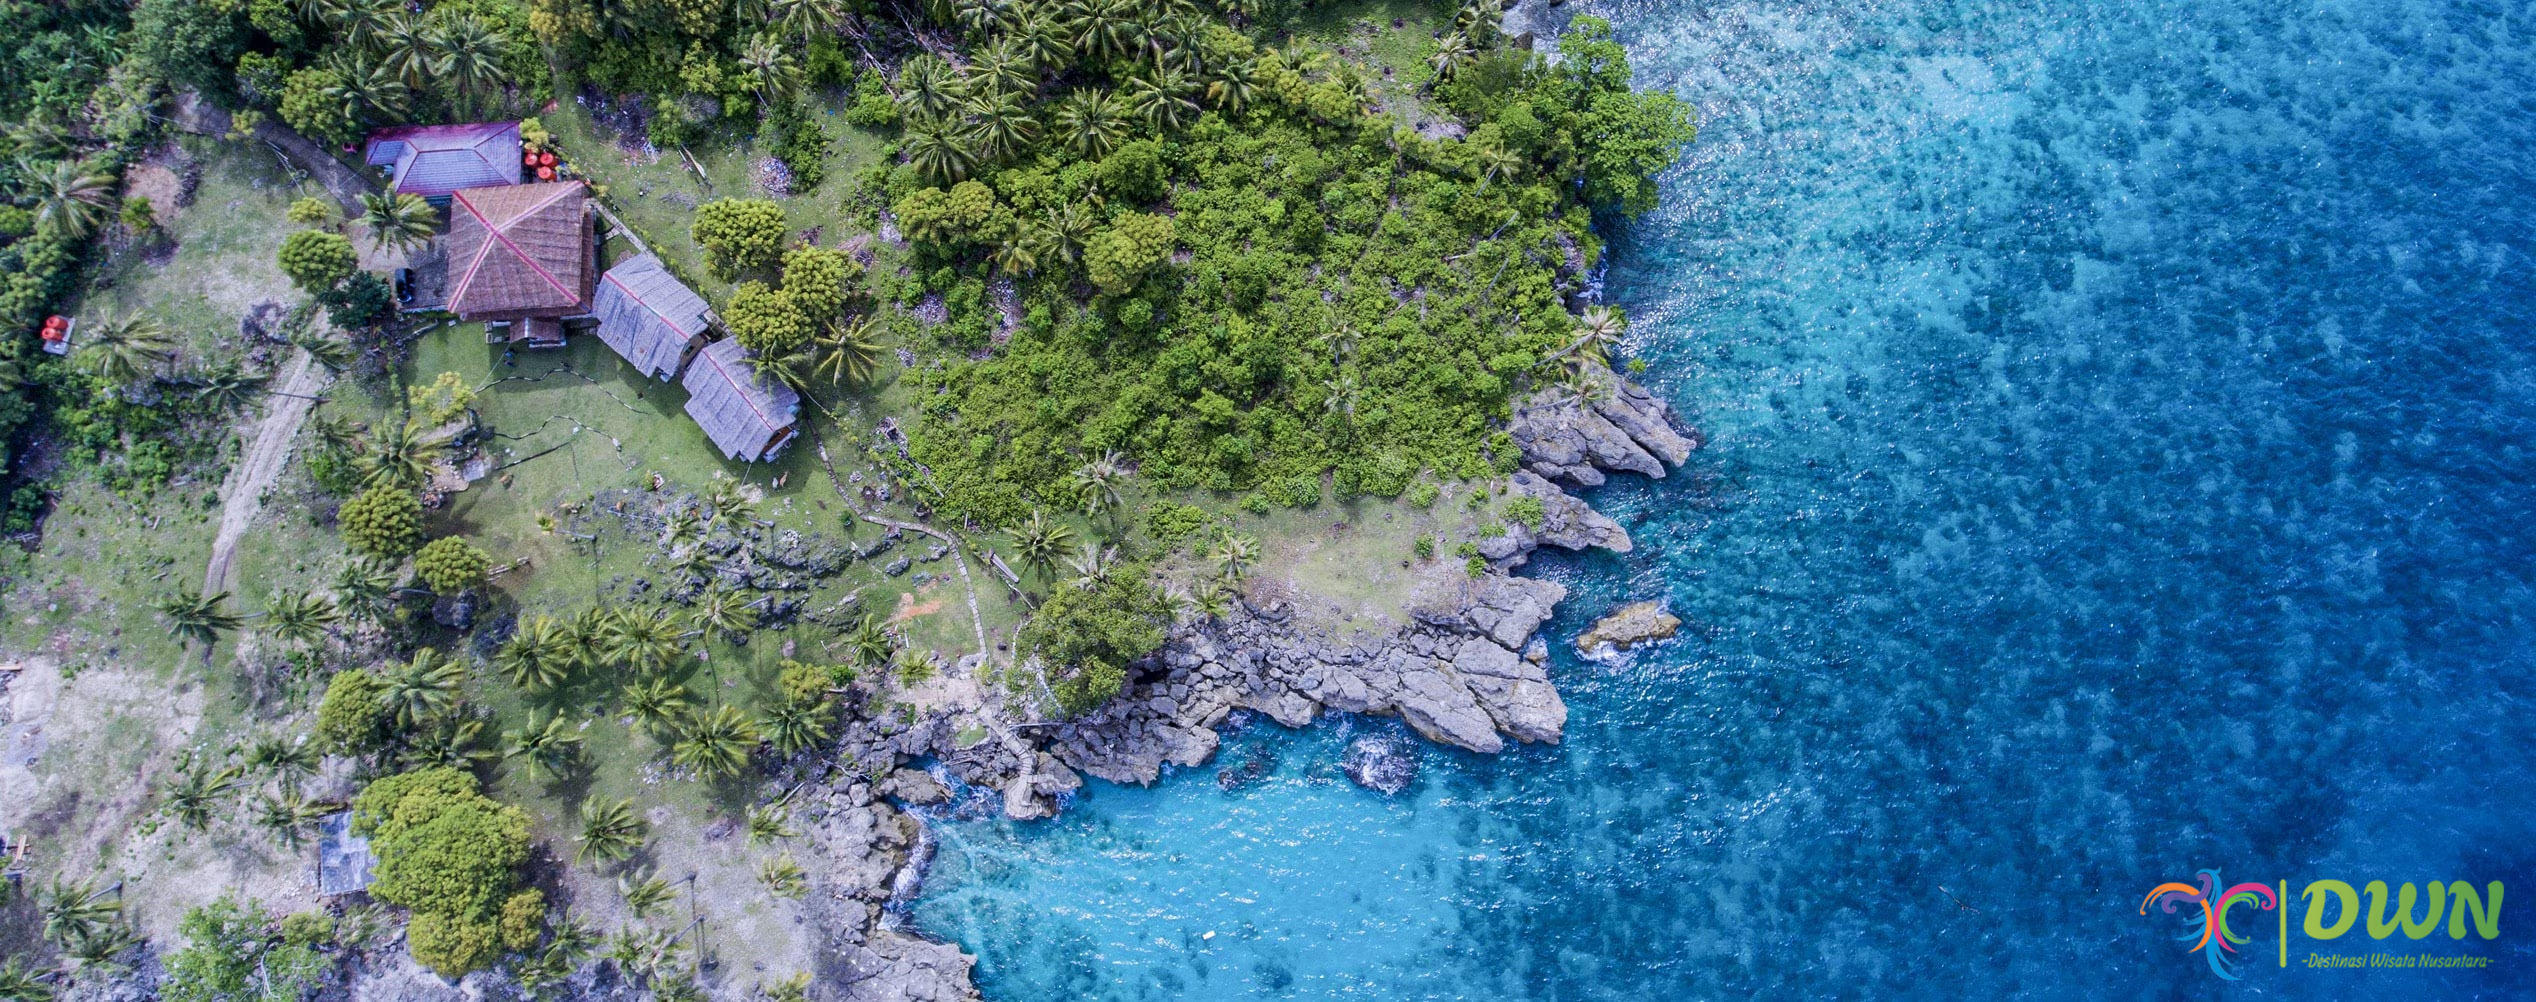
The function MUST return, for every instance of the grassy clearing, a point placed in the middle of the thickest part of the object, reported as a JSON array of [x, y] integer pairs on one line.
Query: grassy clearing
[[656, 193]]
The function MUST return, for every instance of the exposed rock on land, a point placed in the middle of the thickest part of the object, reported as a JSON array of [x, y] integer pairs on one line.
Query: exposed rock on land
[[1628, 626]]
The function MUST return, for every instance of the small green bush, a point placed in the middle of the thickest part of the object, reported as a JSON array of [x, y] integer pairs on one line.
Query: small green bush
[[1527, 510], [1296, 492], [1425, 547], [1423, 494]]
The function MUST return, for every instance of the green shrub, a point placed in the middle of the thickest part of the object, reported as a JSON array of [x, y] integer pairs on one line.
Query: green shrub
[[523, 919], [1425, 546], [1527, 510], [383, 521], [1424, 493], [1170, 522], [450, 565], [740, 234], [318, 260], [451, 855], [352, 719]]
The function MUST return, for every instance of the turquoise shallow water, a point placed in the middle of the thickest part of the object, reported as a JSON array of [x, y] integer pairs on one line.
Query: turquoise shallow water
[[2121, 421]]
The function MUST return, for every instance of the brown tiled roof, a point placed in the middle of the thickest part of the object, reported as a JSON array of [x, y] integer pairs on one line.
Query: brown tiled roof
[[520, 251]]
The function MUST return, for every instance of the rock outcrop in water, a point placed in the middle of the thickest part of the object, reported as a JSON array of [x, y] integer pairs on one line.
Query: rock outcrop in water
[[1629, 626]]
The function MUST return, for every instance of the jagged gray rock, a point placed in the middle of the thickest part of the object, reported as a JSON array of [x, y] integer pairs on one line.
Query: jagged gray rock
[[892, 966]]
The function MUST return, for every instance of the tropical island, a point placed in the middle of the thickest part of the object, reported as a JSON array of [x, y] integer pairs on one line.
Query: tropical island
[[543, 493]]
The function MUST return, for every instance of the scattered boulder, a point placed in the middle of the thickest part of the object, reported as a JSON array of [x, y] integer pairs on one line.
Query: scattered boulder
[[1629, 626]]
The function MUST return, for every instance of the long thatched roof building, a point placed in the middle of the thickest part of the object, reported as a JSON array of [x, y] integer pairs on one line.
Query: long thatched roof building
[[650, 317], [748, 416]]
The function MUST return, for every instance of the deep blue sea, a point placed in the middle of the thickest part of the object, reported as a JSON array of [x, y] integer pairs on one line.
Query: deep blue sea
[[2123, 463]]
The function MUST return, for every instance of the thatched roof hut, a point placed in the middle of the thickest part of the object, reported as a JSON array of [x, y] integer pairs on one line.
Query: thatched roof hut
[[650, 317], [748, 416]]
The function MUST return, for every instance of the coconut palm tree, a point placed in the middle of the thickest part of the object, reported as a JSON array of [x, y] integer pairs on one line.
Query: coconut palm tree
[[658, 704], [1096, 482], [1160, 98], [988, 17], [1479, 20], [610, 832], [70, 199], [1090, 124], [1039, 541], [198, 619], [1017, 254], [401, 454], [1068, 227], [1092, 565], [226, 387], [538, 657], [940, 152], [128, 349], [367, 88], [362, 22], [796, 727], [1234, 87], [849, 353], [364, 587], [18, 981], [457, 743], [645, 641], [332, 352], [422, 689], [1044, 38], [770, 70], [804, 18], [399, 220], [197, 793], [289, 759], [470, 56], [929, 88], [1007, 66], [406, 49], [722, 611], [716, 744], [550, 748], [70, 910], [1234, 555], [1343, 395], [1598, 331], [1004, 125], [299, 617], [871, 644], [1452, 52], [1104, 29], [287, 815], [643, 891]]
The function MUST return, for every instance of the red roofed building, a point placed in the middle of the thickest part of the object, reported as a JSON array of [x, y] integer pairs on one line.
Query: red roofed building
[[522, 253], [435, 161]]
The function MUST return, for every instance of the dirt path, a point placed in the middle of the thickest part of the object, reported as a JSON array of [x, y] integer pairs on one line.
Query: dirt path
[[243, 493], [340, 181]]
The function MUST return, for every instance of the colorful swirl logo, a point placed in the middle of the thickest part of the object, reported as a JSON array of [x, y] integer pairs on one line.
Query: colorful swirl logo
[[2214, 913]]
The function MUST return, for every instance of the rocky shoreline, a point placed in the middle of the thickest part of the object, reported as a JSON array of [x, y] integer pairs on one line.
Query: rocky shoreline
[[1467, 670]]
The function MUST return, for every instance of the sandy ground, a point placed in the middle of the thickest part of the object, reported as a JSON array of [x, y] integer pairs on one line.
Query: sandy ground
[[243, 494]]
